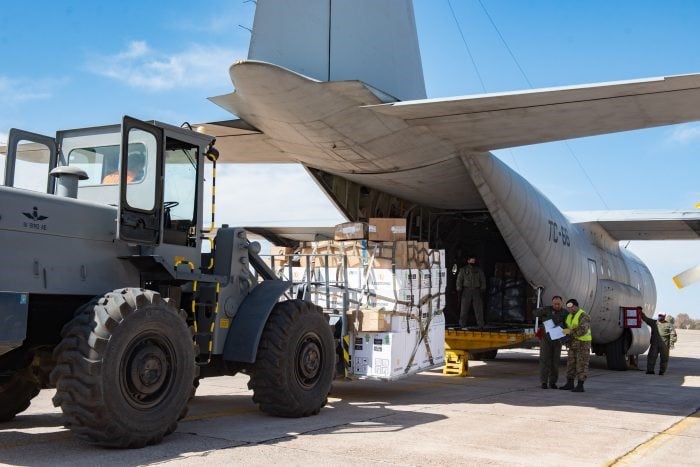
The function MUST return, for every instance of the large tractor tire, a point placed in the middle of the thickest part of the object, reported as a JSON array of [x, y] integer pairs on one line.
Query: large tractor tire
[[124, 369], [16, 392], [295, 363]]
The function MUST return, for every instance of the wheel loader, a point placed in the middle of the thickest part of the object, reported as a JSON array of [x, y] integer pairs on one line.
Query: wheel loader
[[116, 292]]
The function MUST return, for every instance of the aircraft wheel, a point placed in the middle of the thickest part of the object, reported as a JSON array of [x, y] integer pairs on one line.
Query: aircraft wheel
[[616, 353], [486, 355], [124, 369], [295, 363]]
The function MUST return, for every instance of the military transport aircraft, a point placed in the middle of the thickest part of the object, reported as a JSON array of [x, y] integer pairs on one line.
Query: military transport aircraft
[[337, 86]]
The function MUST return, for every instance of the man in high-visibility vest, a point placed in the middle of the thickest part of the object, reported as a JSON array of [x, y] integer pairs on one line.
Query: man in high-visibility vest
[[578, 327]]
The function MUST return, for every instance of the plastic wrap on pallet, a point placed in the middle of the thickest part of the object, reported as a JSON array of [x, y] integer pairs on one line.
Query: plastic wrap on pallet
[[513, 314], [494, 300], [514, 299]]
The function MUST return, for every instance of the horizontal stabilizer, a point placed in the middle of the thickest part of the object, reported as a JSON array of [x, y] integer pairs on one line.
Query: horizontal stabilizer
[[237, 141], [643, 225]]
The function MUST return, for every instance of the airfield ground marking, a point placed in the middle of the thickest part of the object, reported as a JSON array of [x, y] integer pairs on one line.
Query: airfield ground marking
[[677, 429]]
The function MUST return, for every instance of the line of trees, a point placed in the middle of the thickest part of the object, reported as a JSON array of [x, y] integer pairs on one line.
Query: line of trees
[[683, 321]]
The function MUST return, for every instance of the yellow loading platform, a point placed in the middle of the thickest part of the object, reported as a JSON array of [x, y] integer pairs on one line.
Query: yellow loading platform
[[461, 344]]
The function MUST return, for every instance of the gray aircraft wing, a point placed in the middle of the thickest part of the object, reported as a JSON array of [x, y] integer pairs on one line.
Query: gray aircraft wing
[[503, 120], [478, 123], [643, 225]]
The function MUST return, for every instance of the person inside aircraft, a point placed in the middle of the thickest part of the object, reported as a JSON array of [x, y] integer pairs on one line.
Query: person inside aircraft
[[663, 338], [134, 172], [550, 349], [578, 327], [471, 283]]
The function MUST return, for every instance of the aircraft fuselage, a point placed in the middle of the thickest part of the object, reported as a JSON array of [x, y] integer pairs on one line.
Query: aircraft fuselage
[[573, 260]]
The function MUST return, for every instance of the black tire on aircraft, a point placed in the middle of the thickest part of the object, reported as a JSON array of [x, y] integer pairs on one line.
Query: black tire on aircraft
[[486, 355], [616, 353]]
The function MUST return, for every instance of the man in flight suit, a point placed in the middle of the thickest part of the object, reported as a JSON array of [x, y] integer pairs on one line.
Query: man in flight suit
[[471, 283], [663, 338], [550, 350]]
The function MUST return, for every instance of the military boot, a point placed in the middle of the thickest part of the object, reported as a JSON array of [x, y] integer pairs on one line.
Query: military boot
[[579, 387], [568, 386]]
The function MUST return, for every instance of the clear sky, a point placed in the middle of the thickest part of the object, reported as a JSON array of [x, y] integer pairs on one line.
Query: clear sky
[[73, 64]]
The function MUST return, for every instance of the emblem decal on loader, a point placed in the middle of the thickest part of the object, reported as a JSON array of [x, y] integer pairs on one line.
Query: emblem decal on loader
[[34, 215]]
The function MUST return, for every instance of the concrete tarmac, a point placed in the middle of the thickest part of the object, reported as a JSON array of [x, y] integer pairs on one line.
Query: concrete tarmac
[[498, 415]]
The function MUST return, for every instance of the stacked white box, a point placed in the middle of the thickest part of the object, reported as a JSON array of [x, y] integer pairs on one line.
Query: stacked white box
[[403, 300], [390, 279], [337, 276], [438, 280], [378, 354], [433, 338]]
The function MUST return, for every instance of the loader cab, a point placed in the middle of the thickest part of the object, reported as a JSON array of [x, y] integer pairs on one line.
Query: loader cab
[[151, 173], [160, 200]]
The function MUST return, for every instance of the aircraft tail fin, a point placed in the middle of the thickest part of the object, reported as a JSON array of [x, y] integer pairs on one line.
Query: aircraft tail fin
[[334, 40]]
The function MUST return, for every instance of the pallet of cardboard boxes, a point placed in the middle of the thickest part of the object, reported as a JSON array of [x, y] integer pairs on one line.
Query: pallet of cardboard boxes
[[394, 290]]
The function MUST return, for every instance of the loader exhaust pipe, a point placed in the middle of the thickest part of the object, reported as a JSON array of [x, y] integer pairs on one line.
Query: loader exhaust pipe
[[68, 177]]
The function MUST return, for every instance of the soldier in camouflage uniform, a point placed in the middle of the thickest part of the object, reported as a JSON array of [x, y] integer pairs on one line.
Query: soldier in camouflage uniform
[[471, 283], [578, 327], [550, 350], [663, 338]]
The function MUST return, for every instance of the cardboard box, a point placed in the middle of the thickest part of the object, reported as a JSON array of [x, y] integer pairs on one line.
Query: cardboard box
[[386, 229], [281, 250], [378, 278], [438, 281], [403, 254], [351, 231], [403, 300], [370, 320], [336, 276], [394, 355], [436, 258], [363, 253], [379, 354], [335, 299], [434, 341]]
